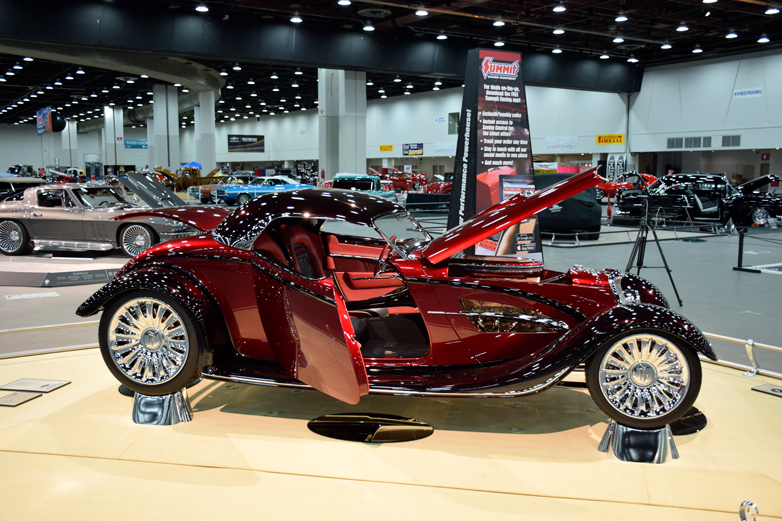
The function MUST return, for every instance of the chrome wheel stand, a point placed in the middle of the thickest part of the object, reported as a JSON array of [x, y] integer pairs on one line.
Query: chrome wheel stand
[[639, 445], [168, 409]]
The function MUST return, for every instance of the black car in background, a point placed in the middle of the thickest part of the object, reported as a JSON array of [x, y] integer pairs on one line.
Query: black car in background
[[579, 214], [700, 197]]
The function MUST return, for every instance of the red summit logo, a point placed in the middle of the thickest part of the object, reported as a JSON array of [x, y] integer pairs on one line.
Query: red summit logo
[[493, 69]]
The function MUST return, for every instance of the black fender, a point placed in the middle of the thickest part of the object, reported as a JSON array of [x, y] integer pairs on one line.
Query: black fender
[[179, 285], [582, 342]]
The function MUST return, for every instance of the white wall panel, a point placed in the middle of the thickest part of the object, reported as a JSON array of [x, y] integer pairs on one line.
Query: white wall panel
[[287, 136]]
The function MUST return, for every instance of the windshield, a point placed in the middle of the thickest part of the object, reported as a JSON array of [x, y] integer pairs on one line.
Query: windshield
[[354, 184], [99, 196], [409, 235]]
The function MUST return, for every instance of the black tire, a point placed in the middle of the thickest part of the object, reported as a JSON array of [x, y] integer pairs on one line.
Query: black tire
[[243, 199], [14, 239], [204, 200], [416, 186], [642, 377], [142, 372], [135, 238], [593, 236], [599, 194], [759, 216]]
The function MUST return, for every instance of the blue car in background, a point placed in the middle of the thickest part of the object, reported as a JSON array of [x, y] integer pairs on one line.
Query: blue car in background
[[240, 194]]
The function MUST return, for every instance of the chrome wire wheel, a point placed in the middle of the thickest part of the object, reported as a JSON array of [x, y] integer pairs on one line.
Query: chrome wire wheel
[[148, 341], [760, 216], [135, 239], [12, 237], [644, 376]]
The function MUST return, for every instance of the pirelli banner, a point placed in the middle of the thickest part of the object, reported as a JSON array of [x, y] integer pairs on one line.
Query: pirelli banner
[[493, 154]]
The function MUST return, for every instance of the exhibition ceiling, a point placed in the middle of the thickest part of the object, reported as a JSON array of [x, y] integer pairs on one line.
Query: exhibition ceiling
[[589, 33]]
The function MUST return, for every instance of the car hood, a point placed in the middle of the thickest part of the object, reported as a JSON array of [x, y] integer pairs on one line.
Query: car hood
[[204, 218], [755, 184], [153, 193], [504, 214]]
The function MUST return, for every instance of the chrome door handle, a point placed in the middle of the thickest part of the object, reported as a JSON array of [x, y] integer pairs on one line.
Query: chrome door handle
[[37, 214]]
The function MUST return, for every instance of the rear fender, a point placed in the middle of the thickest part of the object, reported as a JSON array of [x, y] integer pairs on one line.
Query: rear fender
[[592, 334], [178, 284]]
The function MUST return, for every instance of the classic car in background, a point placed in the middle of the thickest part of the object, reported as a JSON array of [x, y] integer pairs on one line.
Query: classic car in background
[[580, 213], [441, 184], [98, 217], [11, 184], [204, 192], [240, 194], [370, 184], [351, 296], [701, 197], [627, 181], [402, 181]]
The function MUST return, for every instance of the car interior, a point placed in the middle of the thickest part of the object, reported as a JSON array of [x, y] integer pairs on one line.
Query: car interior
[[385, 318]]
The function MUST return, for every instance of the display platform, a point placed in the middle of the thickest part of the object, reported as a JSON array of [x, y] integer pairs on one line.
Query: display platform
[[248, 452], [52, 271]]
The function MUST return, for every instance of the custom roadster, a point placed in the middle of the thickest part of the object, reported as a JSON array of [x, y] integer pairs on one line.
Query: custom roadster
[[97, 217], [346, 293]]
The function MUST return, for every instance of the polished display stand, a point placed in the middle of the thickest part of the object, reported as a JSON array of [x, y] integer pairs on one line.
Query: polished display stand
[[168, 409], [639, 445]]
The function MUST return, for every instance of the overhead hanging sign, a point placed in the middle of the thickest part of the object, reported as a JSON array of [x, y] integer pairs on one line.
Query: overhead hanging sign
[[413, 149], [242, 143], [136, 143], [493, 156], [43, 121]]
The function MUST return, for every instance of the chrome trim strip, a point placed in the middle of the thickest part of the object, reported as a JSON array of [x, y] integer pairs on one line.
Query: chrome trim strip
[[72, 245], [255, 381], [548, 322]]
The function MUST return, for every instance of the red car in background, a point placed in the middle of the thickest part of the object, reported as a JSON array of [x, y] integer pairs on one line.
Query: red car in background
[[441, 184], [625, 181], [403, 181]]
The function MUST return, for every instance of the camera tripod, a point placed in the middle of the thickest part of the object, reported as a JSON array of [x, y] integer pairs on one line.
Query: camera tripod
[[639, 250]]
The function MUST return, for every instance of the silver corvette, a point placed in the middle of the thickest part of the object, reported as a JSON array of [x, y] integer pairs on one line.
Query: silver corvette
[[79, 217]]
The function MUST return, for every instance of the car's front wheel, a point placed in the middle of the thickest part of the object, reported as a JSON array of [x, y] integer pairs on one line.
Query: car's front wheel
[[759, 216], [14, 239], [150, 343], [643, 379], [243, 199], [599, 194], [136, 238]]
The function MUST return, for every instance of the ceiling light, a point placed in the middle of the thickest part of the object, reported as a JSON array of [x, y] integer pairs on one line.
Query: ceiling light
[[237, 67], [442, 36], [79, 71], [731, 34], [763, 38], [201, 8], [274, 76], [144, 76], [665, 45], [69, 77], [559, 30], [697, 49], [223, 73], [253, 94], [57, 82], [381, 91], [344, 2], [10, 73], [407, 93], [298, 97], [556, 50], [559, 8], [632, 59], [370, 83], [17, 66], [294, 85], [185, 90], [772, 10], [275, 89], [498, 23], [435, 88], [438, 83], [620, 17], [409, 86], [296, 18], [397, 79], [298, 72], [229, 86], [251, 82], [422, 12], [49, 87], [682, 27], [604, 56], [499, 43], [27, 59], [368, 27], [618, 39], [709, 1], [383, 96]]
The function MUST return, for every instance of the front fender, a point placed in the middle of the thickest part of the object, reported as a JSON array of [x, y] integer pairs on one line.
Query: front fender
[[592, 334], [178, 284]]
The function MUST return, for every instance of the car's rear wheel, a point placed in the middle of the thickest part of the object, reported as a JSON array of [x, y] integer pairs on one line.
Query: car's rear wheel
[[416, 186], [759, 216], [243, 199], [643, 379], [150, 343], [136, 238], [14, 239], [599, 194]]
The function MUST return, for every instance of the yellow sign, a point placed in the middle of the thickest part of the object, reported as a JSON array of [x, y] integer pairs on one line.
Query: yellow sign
[[610, 139], [386, 148]]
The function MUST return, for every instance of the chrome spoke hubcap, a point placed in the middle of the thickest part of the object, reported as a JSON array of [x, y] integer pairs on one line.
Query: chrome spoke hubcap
[[136, 239], [644, 376], [148, 341], [10, 236]]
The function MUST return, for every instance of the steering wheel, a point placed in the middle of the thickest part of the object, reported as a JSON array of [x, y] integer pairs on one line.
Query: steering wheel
[[104, 203], [381, 261]]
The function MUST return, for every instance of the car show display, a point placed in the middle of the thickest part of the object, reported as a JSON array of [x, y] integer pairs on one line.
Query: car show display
[[355, 297], [370, 184], [240, 194]]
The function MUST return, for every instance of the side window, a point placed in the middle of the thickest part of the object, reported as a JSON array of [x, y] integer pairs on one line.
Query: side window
[[50, 198]]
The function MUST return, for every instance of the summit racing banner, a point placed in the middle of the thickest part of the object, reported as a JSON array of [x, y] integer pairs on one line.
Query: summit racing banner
[[493, 155]]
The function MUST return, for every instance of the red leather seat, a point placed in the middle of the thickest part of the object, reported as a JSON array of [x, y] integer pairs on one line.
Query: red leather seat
[[305, 249], [266, 245]]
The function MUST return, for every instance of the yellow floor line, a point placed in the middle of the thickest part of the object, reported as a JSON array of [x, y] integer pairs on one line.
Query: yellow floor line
[[44, 328]]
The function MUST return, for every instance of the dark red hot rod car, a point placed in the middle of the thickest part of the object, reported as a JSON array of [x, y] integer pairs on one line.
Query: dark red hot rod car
[[345, 292]]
